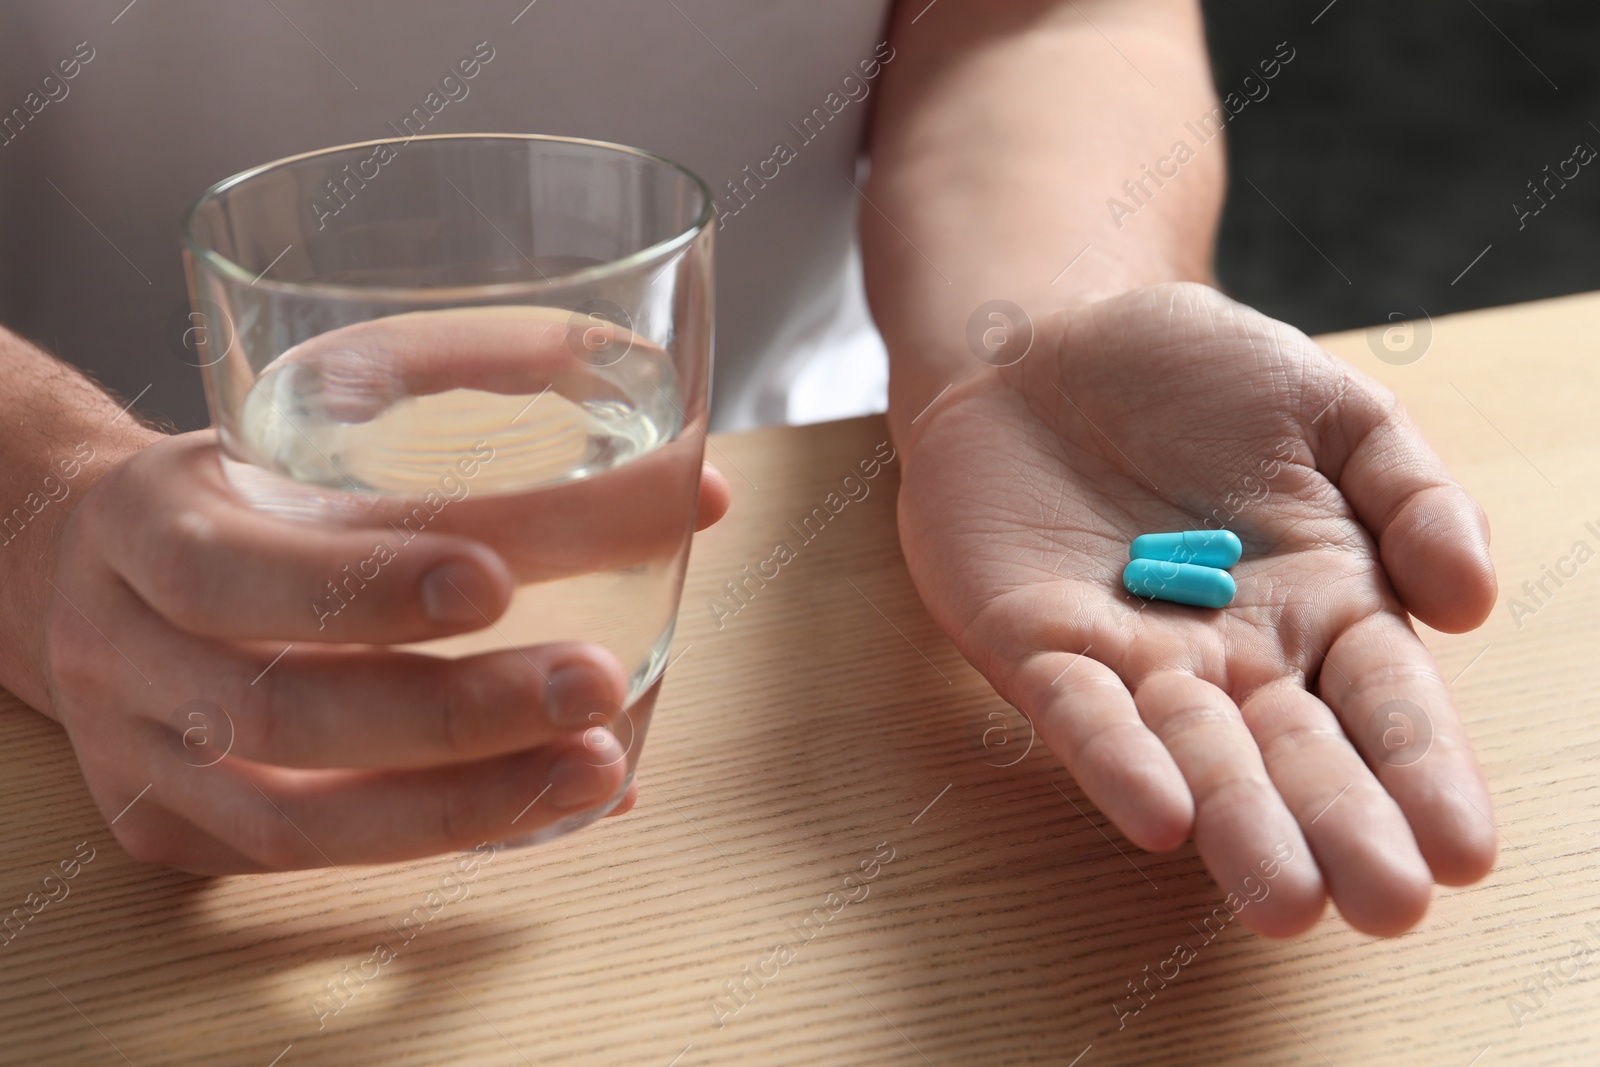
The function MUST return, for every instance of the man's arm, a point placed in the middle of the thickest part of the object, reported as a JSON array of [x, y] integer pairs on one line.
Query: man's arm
[[59, 433], [1002, 132], [143, 600], [1009, 140]]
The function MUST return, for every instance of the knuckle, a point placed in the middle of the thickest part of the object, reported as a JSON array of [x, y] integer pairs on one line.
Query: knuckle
[[1362, 803], [75, 663], [77, 535], [1102, 745], [1202, 716], [173, 562], [261, 713], [1236, 791], [459, 812], [1313, 736], [99, 505], [457, 711], [470, 717]]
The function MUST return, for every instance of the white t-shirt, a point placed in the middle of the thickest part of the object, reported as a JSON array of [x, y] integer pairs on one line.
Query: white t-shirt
[[114, 118]]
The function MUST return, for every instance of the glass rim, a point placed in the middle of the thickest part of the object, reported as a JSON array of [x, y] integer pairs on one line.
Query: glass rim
[[634, 260]]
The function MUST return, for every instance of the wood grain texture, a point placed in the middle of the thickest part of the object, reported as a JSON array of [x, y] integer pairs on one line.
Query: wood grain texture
[[828, 722]]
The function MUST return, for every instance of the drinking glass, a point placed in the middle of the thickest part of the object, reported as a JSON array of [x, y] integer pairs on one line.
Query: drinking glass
[[504, 337]]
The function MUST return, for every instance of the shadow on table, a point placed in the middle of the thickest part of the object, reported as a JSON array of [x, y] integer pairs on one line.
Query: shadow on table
[[1014, 923]]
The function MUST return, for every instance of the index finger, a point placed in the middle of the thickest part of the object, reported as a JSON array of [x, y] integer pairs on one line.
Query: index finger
[[1381, 681], [167, 525], [360, 370]]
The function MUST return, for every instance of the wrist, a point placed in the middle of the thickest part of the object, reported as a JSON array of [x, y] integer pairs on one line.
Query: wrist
[[43, 494], [929, 367]]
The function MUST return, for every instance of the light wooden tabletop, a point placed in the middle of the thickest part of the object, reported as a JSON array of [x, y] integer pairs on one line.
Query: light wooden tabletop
[[827, 732]]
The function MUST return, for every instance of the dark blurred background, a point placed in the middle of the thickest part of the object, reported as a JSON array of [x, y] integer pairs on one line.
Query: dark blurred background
[[1398, 140]]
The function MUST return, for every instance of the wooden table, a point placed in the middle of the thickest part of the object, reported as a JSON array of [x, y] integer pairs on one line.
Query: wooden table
[[826, 726]]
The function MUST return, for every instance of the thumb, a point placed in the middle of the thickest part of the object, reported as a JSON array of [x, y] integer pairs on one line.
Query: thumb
[[1432, 535]]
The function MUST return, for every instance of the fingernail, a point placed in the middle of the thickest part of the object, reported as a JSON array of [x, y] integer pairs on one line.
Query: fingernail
[[576, 697], [576, 782], [451, 591]]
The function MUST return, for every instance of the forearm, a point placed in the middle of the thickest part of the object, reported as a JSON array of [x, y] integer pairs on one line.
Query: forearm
[[58, 433], [1003, 135]]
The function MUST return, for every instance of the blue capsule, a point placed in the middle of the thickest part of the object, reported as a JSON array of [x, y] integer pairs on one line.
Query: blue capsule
[[1181, 583], [1205, 548]]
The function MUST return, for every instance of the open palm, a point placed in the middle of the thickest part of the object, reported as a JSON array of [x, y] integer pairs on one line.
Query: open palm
[[1305, 720]]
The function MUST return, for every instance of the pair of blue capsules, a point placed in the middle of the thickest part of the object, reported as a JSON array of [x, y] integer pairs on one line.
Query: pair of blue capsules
[[1185, 568]]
